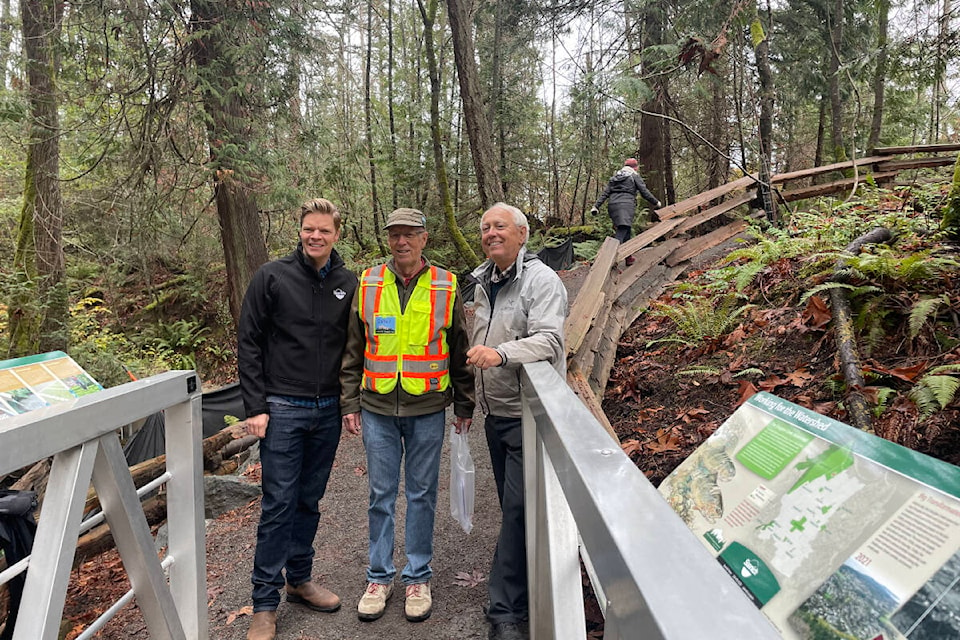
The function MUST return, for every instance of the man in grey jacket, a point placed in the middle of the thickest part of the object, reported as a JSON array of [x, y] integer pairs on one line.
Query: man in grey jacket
[[621, 198], [520, 306]]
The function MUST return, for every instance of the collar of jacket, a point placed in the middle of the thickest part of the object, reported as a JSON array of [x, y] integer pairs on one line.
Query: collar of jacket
[[334, 262], [485, 270]]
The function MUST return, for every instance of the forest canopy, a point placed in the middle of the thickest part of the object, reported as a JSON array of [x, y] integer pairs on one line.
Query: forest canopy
[[153, 153]]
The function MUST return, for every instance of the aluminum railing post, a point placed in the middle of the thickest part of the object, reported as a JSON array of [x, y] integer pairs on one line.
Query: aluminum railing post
[[45, 588], [556, 596], [185, 516]]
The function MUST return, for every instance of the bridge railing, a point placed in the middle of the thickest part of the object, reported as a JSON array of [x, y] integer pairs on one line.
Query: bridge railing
[[82, 438], [584, 497]]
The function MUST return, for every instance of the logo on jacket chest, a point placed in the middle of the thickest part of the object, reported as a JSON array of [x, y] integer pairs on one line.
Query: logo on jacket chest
[[385, 325], [339, 293]]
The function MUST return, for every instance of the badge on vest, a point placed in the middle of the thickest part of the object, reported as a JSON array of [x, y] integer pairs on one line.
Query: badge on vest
[[385, 325]]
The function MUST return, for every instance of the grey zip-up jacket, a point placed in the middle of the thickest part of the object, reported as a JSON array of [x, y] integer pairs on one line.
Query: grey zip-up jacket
[[524, 325]]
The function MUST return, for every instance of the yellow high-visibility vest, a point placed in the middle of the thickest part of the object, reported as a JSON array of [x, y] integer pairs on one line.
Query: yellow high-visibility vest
[[410, 346]]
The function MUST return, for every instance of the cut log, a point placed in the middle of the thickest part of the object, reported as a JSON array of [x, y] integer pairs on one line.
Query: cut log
[[920, 148], [916, 163], [830, 187], [682, 207], [578, 383], [696, 246], [713, 212], [827, 168], [590, 298], [648, 237]]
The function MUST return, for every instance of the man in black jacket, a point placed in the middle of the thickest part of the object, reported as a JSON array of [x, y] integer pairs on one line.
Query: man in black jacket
[[622, 192], [293, 327]]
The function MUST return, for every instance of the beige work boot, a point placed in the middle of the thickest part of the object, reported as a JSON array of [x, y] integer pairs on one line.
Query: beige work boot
[[419, 603], [312, 595], [374, 601], [263, 626]]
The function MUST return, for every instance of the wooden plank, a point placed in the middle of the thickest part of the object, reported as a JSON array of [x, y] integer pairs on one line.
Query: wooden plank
[[646, 260], [829, 187], [679, 208], [668, 276], [587, 304], [920, 148], [578, 383], [713, 212], [916, 163], [827, 168], [649, 236], [696, 246]]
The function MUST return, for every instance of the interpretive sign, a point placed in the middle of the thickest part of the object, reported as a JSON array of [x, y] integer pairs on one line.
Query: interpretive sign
[[832, 532], [41, 380]]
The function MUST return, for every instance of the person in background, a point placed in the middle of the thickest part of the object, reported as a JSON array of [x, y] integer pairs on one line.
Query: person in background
[[520, 306], [404, 363], [621, 198], [293, 326]]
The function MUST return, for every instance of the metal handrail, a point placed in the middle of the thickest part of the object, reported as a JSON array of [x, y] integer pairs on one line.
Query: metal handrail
[[81, 435], [654, 580]]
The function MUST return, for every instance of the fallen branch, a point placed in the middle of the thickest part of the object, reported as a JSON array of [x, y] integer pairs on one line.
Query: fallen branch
[[857, 407]]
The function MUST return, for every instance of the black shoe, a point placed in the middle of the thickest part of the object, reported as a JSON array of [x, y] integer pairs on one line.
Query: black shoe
[[505, 631]]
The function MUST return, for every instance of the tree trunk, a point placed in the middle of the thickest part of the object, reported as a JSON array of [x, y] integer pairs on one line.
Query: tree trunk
[[651, 136], [761, 45], [951, 214], [717, 133], [394, 197], [879, 75], [6, 38], [835, 42], [38, 309], [821, 134], [368, 129], [429, 14], [229, 128], [478, 128]]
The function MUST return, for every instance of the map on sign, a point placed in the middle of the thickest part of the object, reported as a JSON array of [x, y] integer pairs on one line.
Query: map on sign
[[831, 532], [38, 381]]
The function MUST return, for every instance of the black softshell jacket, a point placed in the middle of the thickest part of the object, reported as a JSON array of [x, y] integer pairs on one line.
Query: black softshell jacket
[[293, 328]]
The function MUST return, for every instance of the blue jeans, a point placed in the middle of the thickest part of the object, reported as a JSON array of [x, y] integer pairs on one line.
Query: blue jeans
[[387, 439], [296, 456]]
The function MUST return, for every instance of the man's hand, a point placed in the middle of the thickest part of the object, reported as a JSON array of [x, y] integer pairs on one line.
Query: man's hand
[[257, 425], [462, 425], [483, 357], [352, 423]]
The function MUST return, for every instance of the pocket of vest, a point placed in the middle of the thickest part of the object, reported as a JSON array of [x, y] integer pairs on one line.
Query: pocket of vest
[[419, 314]]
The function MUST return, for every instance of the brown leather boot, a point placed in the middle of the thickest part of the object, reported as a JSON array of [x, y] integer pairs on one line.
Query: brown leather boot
[[263, 626], [312, 595]]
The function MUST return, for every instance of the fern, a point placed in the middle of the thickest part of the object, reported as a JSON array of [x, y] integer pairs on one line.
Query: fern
[[702, 371], [936, 390], [751, 371], [922, 311]]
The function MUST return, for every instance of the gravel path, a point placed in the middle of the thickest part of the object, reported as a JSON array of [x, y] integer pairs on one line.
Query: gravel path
[[342, 557]]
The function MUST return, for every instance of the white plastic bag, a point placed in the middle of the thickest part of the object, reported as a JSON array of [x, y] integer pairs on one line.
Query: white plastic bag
[[461, 479]]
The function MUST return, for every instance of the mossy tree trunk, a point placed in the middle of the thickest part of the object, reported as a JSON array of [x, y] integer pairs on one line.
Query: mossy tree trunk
[[951, 214], [429, 15], [38, 314], [218, 27]]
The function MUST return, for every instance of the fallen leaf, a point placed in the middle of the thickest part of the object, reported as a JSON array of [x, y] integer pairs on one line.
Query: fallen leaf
[[746, 390], [799, 378], [667, 440], [243, 611], [772, 382], [630, 446], [469, 580], [817, 314], [907, 374]]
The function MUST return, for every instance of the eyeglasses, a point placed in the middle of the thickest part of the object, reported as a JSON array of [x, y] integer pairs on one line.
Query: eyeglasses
[[407, 235]]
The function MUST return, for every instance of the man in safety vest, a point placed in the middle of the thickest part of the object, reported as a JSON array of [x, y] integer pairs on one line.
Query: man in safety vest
[[404, 363]]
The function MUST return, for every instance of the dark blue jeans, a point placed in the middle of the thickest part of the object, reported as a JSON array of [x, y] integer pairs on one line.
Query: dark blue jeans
[[296, 456], [508, 576], [624, 232]]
